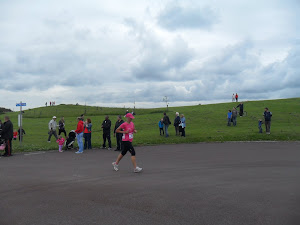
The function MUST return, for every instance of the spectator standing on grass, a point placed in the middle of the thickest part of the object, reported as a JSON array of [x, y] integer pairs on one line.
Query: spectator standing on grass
[[167, 122], [19, 133], [260, 122], [236, 97], [182, 125], [1, 125], [106, 125], [118, 135], [229, 115], [79, 132], [52, 128], [46, 104], [61, 126], [161, 127], [7, 135], [241, 106], [234, 115], [176, 123], [233, 97], [88, 134], [15, 135], [267, 115]]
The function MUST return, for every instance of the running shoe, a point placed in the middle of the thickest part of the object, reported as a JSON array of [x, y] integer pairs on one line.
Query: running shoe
[[78, 152], [109, 149], [116, 167], [137, 169]]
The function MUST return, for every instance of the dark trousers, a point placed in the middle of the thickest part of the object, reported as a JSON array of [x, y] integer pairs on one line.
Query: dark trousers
[[177, 130], [268, 126], [119, 141], [87, 140], [161, 130], [62, 131], [260, 129], [106, 135], [8, 147], [228, 121], [52, 132], [183, 132], [241, 112]]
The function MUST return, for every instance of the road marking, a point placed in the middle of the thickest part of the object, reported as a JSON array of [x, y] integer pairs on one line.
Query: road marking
[[34, 153]]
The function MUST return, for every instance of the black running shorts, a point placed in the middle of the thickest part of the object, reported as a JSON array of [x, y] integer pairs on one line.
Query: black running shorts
[[127, 146]]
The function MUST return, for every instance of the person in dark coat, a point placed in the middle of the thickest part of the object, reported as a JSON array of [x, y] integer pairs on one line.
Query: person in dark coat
[[19, 133], [61, 126], [267, 115], [167, 122], [241, 106], [118, 135], [7, 135], [106, 125], [176, 123]]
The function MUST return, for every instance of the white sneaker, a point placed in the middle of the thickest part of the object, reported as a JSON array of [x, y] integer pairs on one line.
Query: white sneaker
[[78, 152], [116, 167], [109, 149], [137, 169]]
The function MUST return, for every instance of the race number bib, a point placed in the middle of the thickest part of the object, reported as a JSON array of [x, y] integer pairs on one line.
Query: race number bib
[[130, 135]]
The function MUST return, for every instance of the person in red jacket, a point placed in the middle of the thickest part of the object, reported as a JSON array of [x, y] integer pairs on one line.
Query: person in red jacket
[[236, 97], [79, 132]]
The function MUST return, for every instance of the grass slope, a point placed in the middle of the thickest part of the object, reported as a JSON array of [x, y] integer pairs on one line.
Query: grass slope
[[205, 123]]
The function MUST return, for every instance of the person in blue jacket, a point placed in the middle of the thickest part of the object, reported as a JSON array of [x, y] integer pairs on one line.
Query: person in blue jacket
[[182, 125], [161, 127]]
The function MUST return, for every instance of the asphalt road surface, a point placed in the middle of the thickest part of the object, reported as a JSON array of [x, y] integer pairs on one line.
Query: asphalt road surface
[[206, 183]]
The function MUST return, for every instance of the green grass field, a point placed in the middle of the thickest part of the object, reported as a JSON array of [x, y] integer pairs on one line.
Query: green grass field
[[205, 123]]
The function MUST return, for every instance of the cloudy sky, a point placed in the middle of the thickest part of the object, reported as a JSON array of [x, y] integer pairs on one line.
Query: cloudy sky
[[112, 53]]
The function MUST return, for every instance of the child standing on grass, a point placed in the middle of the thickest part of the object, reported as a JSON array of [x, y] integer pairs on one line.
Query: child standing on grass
[[61, 142], [127, 129], [161, 127], [229, 115], [15, 134], [260, 122]]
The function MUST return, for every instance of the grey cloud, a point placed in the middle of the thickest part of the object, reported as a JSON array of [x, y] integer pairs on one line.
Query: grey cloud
[[175, 17], [155, 60]]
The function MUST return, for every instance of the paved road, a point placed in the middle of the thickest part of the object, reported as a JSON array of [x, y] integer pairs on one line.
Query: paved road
[[217, 183]]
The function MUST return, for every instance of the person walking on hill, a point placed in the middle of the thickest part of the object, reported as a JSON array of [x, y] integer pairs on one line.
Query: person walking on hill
[[61, 126], [106, 125], [7, 135], [176, 123], [236, 97], [267, 114], [52, 128], [241, 106], [234, 115], [87, 134], [167, 122], [79, 132], [118, 135], [233, 97], [127, 129]]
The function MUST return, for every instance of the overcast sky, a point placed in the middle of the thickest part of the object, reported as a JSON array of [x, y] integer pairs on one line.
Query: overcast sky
[[112, 53]]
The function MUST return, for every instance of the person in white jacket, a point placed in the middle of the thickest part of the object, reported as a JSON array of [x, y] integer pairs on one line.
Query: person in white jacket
[[52, 128]]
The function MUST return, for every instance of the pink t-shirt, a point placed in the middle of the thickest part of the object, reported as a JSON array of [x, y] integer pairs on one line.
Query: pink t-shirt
[[128, 126]]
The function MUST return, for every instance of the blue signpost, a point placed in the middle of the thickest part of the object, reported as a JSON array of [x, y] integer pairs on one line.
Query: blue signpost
[[20, 119]]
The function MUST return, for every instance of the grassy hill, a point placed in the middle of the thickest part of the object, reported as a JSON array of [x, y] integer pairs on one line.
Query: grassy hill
[[205, 123]]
